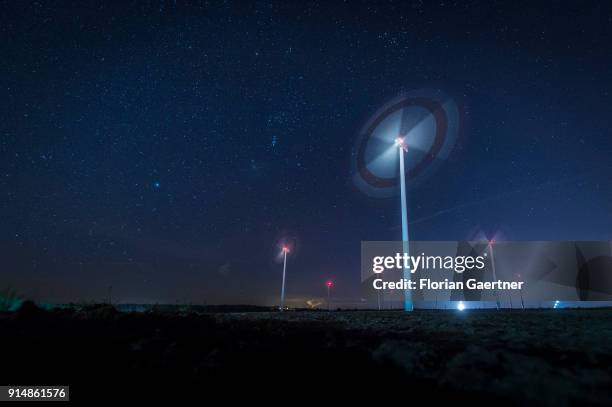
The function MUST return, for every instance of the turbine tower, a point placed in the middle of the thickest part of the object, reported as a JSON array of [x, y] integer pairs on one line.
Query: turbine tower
[[497, 302], [282, 298], [403, 148]]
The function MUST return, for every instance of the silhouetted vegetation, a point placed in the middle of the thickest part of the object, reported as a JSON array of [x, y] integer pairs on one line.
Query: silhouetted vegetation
[[10, 299]]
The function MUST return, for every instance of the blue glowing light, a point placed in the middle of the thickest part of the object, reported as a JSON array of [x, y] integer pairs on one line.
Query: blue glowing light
[[461, 306]]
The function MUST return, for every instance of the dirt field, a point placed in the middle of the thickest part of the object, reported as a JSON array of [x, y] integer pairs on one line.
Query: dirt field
[[552, 357]]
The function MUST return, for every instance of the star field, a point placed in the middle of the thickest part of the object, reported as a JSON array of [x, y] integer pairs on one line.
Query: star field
[[164, 149]]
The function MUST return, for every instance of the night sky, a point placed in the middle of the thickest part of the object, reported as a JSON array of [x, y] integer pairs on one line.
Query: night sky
[[165, 149]]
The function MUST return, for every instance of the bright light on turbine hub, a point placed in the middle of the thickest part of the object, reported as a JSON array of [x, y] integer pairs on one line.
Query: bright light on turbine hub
[[401, 143], [329, 283], [461, 306], [285, 249]]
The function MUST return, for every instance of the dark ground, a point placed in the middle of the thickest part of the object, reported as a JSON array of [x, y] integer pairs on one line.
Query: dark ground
[[552, 357]]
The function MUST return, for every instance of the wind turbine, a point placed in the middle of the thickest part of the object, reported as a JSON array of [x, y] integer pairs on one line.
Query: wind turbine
[[490, 244], [426, 122], [285, 250], [329, 284]]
